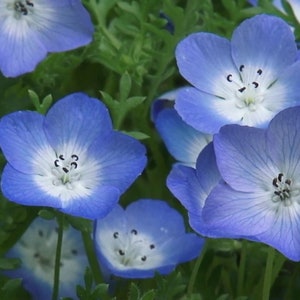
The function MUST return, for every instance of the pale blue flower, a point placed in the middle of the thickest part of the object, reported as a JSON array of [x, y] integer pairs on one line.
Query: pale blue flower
[[147, 237], [71, 159], [31, 29], [260, 194], [182, 141], [244, 81], [37, 250]]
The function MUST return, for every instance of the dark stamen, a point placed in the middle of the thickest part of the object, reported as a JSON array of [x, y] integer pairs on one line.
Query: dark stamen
[[74, 251], [29, 3], [241, 68], [116, 235], [275, 182], [144, 258], [75, 157], [74, 164], [61, 157], [65, 170], [229, 77], [259, 71], [288, 181], [152, 246], [121, 252], [280, 175], [242, 89], [255, 84], [134, 231], [56, 163], [41, 233]]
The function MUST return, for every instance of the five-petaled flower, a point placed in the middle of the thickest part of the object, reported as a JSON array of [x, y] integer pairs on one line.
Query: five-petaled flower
[[182, 141], [145, 238], [245, 81], [31, 29], [260, 194], [71, 159], [37, 248]]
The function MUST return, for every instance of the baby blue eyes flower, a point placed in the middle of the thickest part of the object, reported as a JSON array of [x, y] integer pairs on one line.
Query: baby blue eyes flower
[[37, 248], [245, 81], [182, 141], [148, 237], [260, 195], [71, 159], [31, 29]]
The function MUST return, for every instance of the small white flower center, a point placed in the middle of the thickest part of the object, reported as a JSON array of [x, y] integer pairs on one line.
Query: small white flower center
[[132, 249], [67, 174], [38, 248], [284, 190], [21, 8], [249, 89]]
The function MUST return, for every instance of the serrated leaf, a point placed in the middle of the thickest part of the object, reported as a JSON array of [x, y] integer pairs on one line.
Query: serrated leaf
[[148, 295], [100, 291], [134, 292]]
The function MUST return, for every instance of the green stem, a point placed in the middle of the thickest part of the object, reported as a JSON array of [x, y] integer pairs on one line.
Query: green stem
[[195, 271], [268, 274], [242, 267], [92, 258], [60, 221]]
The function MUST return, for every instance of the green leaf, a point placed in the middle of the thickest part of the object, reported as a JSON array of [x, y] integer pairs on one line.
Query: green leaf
[[9, 263], [149, 295], [134, 292], [125, 86], [137, 135]]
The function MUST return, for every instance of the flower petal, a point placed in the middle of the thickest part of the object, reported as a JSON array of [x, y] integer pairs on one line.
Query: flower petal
[[255, 42], [238, 213], [76, 119], [204, 112], [94, 206], [243, 158], [20, 48], [21, 188], [204, 59], [66, 25], [284, 132], [22, 139], [284, 234], [181, 140], [121, 159], [158, 219]]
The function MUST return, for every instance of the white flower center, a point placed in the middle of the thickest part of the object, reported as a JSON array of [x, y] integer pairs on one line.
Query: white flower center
[[248, 88], [126, 250], [38, 248], [284, 190], [21, 8], [67, 175]]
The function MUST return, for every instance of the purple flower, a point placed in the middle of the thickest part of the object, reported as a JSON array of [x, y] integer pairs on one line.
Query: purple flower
[[145, 238], [182, 141], [245, 81], [71, 159], [31, 29], [37, 249], [260, 194]]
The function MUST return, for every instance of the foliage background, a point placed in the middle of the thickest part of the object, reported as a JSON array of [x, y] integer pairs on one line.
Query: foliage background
[[129, 63]]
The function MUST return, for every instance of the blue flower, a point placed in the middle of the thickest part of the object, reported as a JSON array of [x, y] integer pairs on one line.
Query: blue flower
[[245, 81], [191, 186], [71, 159], [182, 141], [37, 250], [145, 238], [31, 29], [260, 195]]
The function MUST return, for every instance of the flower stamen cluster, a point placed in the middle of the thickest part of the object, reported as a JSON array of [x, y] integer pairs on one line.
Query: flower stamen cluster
[[132, 249], [21, 8]]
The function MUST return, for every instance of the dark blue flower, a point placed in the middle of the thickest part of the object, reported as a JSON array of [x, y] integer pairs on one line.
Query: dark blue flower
[[260, 194], [71, 159], [245, 81], [145, 238], [31, 29], [182, 141], [37, 249]]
